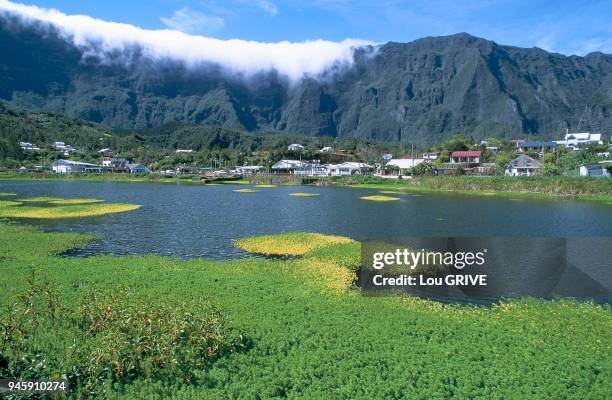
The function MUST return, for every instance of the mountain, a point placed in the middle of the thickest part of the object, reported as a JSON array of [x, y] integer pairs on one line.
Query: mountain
[[419, 92]]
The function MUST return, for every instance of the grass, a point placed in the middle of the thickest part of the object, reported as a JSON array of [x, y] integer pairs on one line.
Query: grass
[[389, 192], [288, 244], [379, 198], [57, 208], [301, 194], [245, 191], [541, 187], [305, 332], [266, 186], [5, 194]]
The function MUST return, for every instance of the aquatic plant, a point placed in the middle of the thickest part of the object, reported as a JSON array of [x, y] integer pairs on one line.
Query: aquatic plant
[[310, 333], [5, 194], [379, 198], [62, 208], [265, 186], [389, 192], [245, 190], [74, 201], [300, 194], [288, 244]]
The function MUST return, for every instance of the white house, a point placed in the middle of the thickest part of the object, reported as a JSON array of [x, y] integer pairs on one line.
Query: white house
[[115, 162], [576, 140], [28, 146], [287, 166], [312, 170], [405, 163], [523, 165], [249, 169], [184, 151], [599, 169], [134, 168], [72, 167], [430, 156], [387, 156], [349, 168], [295, 147], [327, 149]]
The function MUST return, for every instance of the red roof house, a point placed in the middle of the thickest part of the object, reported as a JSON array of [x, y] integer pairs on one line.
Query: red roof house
[[472, 157]]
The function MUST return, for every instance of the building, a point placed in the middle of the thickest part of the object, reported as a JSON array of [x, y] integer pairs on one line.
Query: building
[[537, 147], [523, 165], [287, 166], [430, 156], [387, 156], [466, 157], [576, 140], [349, 168], [599, 170], [116, 163], [327, 149], [249, 169], [73, 167], [295, 147], [137, 168], [312, 170], [28, 146], [404, 163], [184, 151]]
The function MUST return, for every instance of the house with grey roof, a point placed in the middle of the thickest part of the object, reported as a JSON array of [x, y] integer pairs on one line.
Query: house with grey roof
[[523, 165]]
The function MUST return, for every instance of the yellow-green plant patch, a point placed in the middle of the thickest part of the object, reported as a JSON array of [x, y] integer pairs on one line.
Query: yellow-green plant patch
[[265, 186], [288, 244], [8, 203], [245, 191], [40, 199], [304, 194], [4, 194], [389, 192], [379, 198], [74, 201], [65, 211]]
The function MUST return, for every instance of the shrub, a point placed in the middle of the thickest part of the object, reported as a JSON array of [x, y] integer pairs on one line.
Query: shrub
[[108, 338]]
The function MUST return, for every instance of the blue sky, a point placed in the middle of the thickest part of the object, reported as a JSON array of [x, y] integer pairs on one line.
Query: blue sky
[[569, 27]]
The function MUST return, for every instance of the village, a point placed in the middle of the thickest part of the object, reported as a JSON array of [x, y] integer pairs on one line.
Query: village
[[524, 158]]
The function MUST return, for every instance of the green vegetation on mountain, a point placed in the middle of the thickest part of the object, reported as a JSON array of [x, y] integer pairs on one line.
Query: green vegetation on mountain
[[419, 92]]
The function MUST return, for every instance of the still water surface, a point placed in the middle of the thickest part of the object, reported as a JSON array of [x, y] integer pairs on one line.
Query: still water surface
[[202, 221]]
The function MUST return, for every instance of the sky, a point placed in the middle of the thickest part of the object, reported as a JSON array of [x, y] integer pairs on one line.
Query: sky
[[568, 27]]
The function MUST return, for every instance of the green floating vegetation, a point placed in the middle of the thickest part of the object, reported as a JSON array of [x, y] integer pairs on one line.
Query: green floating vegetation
[[389, 192], [300, 194], [379, 198], [266, 186], [245, 191], [40, 199], [5, 194], [271, 320], [288, 244], [75, 201], [56, 208]]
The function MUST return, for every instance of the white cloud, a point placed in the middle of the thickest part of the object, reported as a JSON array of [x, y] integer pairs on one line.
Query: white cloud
[[292, 59], [268, 7], [189, 21]]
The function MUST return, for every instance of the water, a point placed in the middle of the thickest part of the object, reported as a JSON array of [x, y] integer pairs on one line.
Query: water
[[189, 221]]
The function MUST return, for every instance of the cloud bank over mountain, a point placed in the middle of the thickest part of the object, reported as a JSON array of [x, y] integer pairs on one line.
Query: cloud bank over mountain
[[294, 60]]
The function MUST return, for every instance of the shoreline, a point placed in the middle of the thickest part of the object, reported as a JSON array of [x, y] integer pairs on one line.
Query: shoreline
[[543, 188]]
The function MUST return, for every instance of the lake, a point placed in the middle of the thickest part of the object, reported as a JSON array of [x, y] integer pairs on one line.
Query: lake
[[202, 221]]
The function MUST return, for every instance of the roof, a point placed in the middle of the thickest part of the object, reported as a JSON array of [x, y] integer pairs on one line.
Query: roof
[[70, 162], [466, 154], [538, 144], [524, 161], [287, 164], [350, 165], [405, 163]]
